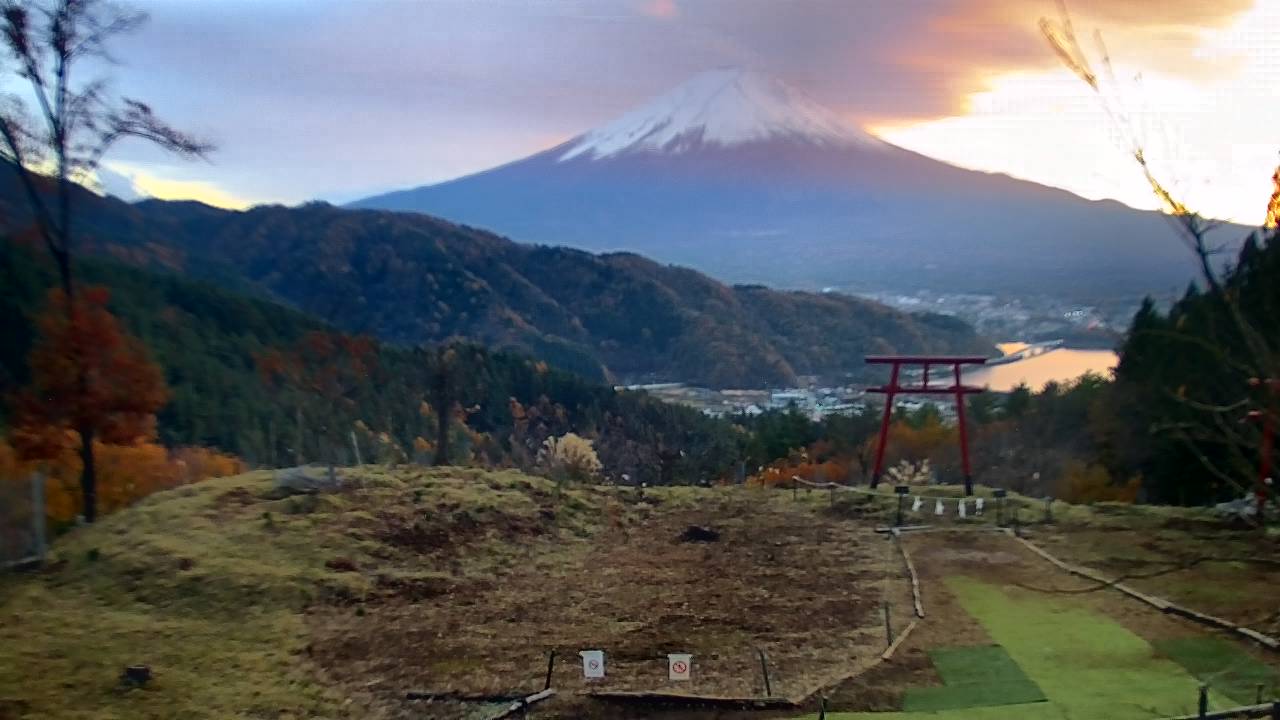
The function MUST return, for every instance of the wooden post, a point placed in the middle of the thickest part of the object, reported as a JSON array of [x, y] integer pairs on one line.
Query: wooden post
[[902, 491], [795, 488], [822, 708], [831, 496], [1203, 705], [1048, 510], [1275, 710], [551, 664], [888, 628], [1000, 495], [38, 537], [764, 669], [356, 447]]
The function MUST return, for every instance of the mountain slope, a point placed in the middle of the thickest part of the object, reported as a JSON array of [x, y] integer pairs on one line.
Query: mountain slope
[[746, 179], [206, 341], [409, 278]]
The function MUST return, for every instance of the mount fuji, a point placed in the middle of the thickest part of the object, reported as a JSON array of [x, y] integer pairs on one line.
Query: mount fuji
[[741, 176]]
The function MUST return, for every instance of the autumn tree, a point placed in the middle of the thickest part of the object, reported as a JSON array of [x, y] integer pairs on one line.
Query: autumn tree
[[324, 375], [75, 122], [90, 381], [570, 456], [1241, 350], [450, 375]]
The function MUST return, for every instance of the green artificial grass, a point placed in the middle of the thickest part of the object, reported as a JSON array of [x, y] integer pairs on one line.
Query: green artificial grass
[[1087, 665], [973, 677], [1222, 665]]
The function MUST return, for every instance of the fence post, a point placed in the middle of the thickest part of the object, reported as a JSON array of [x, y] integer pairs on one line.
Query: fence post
[[902, 498], [551, 663], [795, 487], [1275, 710], [822, 708], [1203, 704], [764, 668], [356, 447], [888, 629], [1000, 496], [1048, 510], [37, 514]]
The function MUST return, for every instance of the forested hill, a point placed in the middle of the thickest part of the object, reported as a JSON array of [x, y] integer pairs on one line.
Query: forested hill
[[207, 341], [412, 278]]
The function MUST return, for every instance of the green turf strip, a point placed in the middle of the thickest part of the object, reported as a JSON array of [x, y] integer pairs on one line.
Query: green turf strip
[[1222, 665], [1089, 666], [973, 677]]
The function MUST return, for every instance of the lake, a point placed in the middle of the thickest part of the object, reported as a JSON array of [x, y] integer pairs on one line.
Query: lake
[[1061, 365]]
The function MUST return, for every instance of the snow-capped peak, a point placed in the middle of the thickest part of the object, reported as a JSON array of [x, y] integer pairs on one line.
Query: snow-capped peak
[[718, 107]]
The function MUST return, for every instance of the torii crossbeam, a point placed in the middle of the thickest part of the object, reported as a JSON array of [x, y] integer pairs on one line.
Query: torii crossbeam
[[959, 389]]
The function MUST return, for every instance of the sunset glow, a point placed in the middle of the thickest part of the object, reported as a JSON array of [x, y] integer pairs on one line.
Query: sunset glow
[[1211, 137]]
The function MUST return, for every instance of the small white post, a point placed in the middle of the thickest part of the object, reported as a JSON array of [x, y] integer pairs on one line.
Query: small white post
[[356, 446]]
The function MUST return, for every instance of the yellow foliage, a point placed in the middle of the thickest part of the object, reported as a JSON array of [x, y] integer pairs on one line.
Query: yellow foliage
[[571, 454]]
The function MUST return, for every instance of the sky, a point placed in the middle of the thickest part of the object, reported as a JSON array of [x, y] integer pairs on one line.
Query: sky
[[339, 99]]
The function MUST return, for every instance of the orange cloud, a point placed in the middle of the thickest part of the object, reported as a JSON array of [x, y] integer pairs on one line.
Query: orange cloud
[[1205, 115], [661, 9]]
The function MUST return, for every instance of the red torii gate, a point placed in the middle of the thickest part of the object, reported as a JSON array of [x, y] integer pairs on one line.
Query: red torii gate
[[893, 388]]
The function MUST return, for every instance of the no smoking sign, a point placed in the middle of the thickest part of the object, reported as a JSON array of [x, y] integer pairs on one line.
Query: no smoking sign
[[679, 666], [592, 664]]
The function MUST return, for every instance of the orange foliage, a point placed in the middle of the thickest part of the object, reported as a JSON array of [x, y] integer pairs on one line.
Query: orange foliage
[[126, 474], [781, 472], [916, 444], [1085, 484], [1273, 207], [86, 374]]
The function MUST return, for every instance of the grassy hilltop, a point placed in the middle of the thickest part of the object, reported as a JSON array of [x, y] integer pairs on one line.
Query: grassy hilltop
[[250, 604]]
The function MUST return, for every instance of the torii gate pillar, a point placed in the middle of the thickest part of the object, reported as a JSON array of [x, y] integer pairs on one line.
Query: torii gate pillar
[[894, 388]]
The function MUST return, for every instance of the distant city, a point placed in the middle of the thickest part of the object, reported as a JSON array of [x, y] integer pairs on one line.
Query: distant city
[[811, 399], [1026, 318], [1053, 322]]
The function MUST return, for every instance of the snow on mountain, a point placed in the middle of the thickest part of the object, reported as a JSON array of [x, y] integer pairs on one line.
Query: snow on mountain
[[738, 175], [719, 107]]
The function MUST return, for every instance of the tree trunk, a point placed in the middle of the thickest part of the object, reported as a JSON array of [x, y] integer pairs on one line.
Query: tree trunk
[[442, 398], [297, 445], [442, 432], [88, 476]]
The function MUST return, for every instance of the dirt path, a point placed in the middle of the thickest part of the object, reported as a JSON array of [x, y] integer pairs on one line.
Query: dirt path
[[790, 578]]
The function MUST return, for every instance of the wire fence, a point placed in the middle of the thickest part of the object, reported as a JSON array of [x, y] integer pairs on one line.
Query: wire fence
[[919, 504], [22, 526]]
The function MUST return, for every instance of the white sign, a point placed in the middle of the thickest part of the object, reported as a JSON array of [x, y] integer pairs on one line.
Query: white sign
[[962, 514], [592, 664], [679, 665], [979, 505], [915, 506], [937, 509]]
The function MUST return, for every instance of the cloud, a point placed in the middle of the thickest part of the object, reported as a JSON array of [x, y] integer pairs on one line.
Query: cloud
[[661, 9], [1209, 135], [113, 177], [330, 99], [118, 185]]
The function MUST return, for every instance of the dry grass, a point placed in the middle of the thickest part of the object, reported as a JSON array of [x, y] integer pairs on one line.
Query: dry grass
[[247, 605]]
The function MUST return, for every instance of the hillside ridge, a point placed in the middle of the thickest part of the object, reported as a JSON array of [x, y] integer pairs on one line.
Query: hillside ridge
[[410, 278]]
